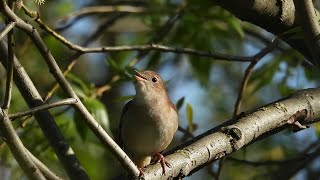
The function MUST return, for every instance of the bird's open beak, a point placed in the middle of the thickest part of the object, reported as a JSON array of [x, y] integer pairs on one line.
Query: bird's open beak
[[139, 77]]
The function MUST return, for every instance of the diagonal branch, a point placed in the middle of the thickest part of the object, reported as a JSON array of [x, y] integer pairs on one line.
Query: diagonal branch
[[46, 122], [302, 106], [255, 59], [10, 136], [47, 173], [6, 29], [66, 87]]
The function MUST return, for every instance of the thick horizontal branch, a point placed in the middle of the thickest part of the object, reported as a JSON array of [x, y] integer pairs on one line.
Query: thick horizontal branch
[[302, 107], [68, 101]]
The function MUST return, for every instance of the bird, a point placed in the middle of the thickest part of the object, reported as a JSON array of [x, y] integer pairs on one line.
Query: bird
[[148, 122]]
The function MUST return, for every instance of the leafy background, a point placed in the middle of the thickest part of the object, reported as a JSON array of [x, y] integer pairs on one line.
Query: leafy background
[[205, 88]]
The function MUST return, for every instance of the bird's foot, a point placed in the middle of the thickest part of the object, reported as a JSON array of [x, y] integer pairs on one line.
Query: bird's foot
[[160, 158], [141, 172]]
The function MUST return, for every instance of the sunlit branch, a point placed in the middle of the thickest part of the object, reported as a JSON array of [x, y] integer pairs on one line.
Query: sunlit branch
[[255, 59], [9, 83], [45, 120], [47, 173], [95, 127], [141, 48], [45, 106], [6, 29], [72, 61], [10, 136]]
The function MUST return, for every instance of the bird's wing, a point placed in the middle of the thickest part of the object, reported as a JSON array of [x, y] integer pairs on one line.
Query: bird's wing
[[173, 106], [125, 109]]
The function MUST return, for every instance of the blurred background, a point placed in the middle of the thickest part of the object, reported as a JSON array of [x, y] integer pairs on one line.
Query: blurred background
[[206, 88]]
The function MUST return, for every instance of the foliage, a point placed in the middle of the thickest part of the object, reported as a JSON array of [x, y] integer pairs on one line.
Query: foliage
[[207, 87]]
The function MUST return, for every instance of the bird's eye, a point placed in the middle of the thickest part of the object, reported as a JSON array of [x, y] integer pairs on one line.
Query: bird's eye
[[154, 79]]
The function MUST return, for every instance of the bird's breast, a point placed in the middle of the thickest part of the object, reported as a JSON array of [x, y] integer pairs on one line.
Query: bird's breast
[[149, 128]]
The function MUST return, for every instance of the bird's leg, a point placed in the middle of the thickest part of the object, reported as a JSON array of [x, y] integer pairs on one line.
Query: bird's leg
[[163, 162], [141, 171]]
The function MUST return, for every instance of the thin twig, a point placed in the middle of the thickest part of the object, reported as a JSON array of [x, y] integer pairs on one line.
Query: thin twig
[[96, 10], [10, 136], [255, 59], [74, 58], [68, 101], [286, 162], [142, 48], [160, 34], [49, 127], [9, 83], [6, 29], [104, 9], [95, 127], [47, 173]]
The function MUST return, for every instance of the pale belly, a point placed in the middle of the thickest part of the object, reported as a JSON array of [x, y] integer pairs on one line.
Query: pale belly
[[144, 135]]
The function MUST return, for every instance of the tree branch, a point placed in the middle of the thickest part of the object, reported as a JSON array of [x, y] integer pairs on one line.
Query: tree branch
[[68, 101], [302, 106], [47, 173], [17, 149], [142, 48], [66, 87], [46, 122], [72, 61], [6, 29], [9, 83], [255, 59], [274, 16], [310, 25]]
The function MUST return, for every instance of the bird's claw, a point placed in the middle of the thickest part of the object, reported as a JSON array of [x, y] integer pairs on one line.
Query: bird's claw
[[163, 162], [141, 172]]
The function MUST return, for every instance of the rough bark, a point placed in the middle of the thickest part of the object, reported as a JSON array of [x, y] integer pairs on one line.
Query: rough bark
[[303, 107]]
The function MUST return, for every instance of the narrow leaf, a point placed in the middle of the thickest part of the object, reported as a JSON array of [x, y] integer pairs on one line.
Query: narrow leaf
[[189, 117]]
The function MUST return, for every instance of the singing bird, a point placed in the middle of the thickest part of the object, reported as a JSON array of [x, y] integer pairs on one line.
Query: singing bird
[[149, 121]]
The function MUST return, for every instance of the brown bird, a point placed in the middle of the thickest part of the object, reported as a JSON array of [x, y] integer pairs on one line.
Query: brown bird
[[149, 121]]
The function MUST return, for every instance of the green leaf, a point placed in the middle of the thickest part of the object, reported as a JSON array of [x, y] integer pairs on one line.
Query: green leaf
[[285, 89], [123, 98], [180, 103], [293, 33], [189, 111], [264, 75], [79, 82], [99, 112], [114, 66], [201, 69], [236, 25], [311, 73]]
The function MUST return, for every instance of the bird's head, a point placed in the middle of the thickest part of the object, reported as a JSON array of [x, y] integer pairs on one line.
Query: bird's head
[[149, 85]]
